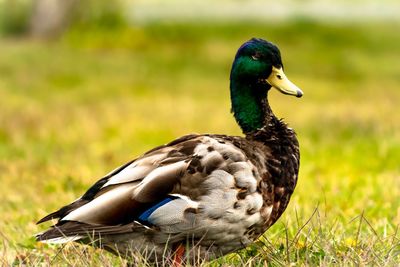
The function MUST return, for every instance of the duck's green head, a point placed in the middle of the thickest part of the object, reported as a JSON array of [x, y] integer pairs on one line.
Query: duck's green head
[[256, 69], [259, 62]]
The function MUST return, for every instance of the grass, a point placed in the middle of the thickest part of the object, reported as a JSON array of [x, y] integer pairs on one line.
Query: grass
[[74, 109]]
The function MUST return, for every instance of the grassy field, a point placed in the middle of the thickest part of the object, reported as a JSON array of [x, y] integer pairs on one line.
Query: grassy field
[[74, 109]]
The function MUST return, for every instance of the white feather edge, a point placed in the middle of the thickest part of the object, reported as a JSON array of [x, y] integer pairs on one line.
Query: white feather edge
[[66, 239], [191, 203], [61, 240], [129, 174]]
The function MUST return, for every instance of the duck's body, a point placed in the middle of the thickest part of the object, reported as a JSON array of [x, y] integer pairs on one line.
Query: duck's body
[[211, 194]]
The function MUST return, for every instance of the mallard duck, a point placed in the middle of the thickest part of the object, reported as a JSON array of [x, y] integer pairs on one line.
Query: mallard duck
[[201, 195]]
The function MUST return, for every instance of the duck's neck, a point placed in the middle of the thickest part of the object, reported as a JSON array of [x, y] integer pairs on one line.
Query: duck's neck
[[250, 106]]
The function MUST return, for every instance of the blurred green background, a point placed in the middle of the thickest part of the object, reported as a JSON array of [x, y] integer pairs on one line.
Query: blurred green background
[[86, 86]]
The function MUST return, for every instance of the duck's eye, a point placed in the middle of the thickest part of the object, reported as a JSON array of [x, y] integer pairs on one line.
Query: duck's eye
[[255, 57], [279, 77]]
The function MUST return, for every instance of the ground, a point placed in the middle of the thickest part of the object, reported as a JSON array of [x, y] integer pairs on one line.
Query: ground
[[73, 109]]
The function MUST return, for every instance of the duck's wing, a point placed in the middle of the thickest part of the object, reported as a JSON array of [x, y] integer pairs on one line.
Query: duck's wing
[[128, 196]]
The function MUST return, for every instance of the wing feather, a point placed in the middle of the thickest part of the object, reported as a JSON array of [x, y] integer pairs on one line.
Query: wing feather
[[168, 187], [132, 171]]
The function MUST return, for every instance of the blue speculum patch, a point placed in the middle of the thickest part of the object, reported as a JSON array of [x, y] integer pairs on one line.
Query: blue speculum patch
[[144, 217]]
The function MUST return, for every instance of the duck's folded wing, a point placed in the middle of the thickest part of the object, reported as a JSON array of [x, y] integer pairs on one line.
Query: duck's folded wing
[[170, 188], [126, 194]]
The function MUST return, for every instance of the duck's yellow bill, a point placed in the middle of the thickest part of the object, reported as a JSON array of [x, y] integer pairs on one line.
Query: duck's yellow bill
[[278, 80]]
